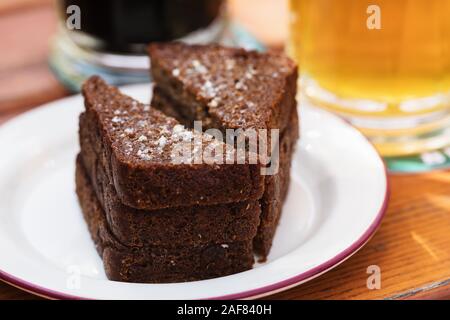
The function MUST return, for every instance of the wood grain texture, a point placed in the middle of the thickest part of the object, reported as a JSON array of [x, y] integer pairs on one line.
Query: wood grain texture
[[411, 247], [8, 292]]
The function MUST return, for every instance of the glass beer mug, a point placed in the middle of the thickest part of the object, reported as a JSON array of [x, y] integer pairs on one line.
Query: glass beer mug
[[382, 64]]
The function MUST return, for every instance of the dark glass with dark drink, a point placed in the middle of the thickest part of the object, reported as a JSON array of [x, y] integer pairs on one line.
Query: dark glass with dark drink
[[109, 37], [121, 26]]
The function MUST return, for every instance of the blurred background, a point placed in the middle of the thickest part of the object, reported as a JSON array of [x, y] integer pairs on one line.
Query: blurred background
[[28, 26], [384, 67]]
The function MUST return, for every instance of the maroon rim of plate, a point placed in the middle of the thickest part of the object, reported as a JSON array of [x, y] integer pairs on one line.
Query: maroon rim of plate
[[326, 266], [340, 257]]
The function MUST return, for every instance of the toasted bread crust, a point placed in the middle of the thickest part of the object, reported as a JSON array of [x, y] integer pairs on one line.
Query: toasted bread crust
[[155, 264], [276, 189], [156, 182], [227, 88], [232, 88], [182, 225], [153, 220]]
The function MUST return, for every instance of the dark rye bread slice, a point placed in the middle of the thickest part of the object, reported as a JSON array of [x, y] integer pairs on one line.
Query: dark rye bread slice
[[197, 224], [226, 88], [157, 263], [276, 189], [230, 88], [165, 104], [276, 186], [178, 226], [138, 143]]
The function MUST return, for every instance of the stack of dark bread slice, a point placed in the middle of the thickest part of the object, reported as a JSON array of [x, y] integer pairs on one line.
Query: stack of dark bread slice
[[154, 218]]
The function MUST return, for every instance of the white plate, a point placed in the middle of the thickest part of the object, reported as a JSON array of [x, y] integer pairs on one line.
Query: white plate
[[337, 199]]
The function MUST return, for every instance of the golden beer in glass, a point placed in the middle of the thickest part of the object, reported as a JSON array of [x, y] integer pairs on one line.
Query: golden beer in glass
[[382, 64]]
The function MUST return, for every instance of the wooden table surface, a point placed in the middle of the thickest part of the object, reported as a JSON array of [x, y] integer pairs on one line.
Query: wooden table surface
[[412, 246]]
